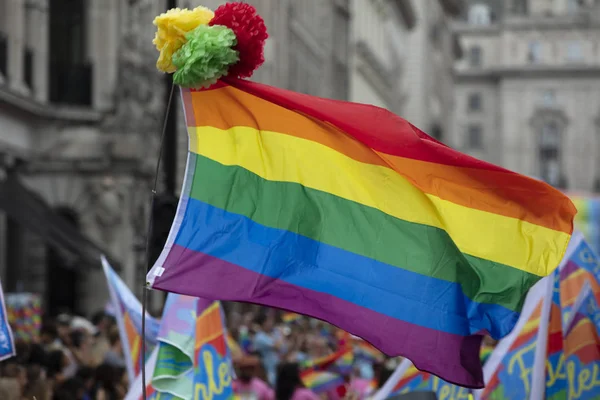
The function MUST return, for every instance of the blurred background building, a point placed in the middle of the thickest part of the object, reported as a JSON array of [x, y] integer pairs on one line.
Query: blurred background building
[[82, 105], [527, 92]]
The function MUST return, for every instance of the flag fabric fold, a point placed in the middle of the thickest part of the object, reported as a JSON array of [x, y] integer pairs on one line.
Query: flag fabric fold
[[174, 370], [128, 313], [348, 213]]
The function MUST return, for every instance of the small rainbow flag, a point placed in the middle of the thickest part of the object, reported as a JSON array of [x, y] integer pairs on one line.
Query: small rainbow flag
[[321, 381], [234, 347], [587, 219], [486, 352], [24, 312], [367, 352], [128, 310], [336, 210], [290, 317], [339, 362]]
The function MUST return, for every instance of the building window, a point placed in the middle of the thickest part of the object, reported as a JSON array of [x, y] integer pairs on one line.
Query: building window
[[70, 71], [475, 56], [474, 102], [474, 137], [549, 150], [574, 51], [535, 52]]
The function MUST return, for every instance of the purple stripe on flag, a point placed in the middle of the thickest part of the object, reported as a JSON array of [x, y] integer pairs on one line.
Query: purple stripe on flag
[[569, 268], [198, 274]]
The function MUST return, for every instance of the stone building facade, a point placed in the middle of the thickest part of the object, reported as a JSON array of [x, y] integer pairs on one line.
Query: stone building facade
[[528, 89], [379, 30], [431, 49], [80, 113]]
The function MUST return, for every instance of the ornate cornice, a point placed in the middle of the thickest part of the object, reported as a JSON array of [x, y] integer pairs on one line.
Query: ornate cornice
[[528, 71], [34, 108]]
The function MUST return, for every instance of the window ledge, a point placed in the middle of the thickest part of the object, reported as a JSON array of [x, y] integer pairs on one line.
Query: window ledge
[[50, 111]]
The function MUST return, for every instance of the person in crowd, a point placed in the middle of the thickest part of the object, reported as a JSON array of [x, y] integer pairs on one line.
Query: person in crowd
[[114, 356], [108, 383], [248, 386], [87, 377], [266, 344], [9, 389], [71, 389], [15, 373], [37, 386], [49, 336], [289, 385], [81, 347], [103, 323]]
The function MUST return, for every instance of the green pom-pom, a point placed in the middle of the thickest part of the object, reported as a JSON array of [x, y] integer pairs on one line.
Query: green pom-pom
[[205, 57]]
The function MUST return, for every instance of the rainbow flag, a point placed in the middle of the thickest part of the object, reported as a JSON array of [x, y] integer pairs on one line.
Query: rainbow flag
[[213, 369], [340, 362], [321, 381], [410, 379], [135, 388], [290, 317], [509, 372], [366, 352], [348, 213], [128, 312], [174, 370], [7, 343], [24, 313], [581, 267], [556, 384], [485, 353], [587, 219], [193, 360], [582, 348], [234, 347], [573, 352]]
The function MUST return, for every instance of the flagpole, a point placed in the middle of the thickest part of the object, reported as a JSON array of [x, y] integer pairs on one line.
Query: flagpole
[[148, 234]]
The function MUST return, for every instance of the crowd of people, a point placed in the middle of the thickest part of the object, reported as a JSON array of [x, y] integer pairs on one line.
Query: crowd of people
[[274, 352], [79, 359], [73, 359]]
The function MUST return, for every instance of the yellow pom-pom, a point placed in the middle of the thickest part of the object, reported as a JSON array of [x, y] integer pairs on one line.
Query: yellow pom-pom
[[171, 29]]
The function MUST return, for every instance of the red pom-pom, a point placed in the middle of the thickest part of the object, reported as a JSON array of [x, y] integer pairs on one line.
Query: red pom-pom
[[251, 33]]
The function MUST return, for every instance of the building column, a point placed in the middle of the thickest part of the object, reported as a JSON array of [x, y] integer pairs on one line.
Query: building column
[[40, 47], [16, 46]]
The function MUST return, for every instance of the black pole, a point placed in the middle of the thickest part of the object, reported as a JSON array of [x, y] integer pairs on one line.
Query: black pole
[[170, 150]]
